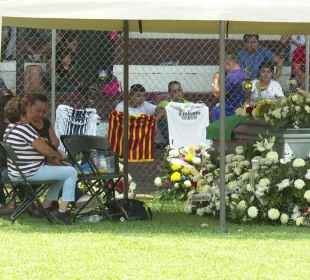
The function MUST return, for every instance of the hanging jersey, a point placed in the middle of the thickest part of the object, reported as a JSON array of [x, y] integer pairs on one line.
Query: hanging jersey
[[141, 136], [187, 124], [71, 121]]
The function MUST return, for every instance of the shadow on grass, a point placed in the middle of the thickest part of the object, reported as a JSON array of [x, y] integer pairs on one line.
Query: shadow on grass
[[172, 224]]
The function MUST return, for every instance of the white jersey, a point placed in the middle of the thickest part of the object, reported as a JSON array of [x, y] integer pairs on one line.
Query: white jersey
[[187, 123], [71, 121]]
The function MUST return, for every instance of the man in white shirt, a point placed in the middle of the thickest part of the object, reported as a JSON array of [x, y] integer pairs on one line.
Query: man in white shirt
[[137, 103]]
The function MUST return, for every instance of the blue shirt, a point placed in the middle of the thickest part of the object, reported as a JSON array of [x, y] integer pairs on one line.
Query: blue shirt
[[234, 92], [252, 62]]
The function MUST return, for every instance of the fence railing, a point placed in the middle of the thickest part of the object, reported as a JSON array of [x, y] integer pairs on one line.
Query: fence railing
[[89, 69]]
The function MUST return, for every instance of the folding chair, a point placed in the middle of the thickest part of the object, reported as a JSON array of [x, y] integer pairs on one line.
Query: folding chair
[[33, 190], [105, 183]]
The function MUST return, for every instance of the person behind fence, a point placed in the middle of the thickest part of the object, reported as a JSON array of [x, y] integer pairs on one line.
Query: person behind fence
[[39, 105], [176, 95], [234, 93], [265, 87], [5, 96], [66, 79], [138, 105], [254, 54], [31, 151], [295, 41], [38, 43], [298, 75]]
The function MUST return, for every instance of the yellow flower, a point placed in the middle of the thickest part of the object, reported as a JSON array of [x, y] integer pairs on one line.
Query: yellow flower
[[176, 166], [194, 171], [189, 157], [185, 170], [176, 176], [260, 105], [192, 149]]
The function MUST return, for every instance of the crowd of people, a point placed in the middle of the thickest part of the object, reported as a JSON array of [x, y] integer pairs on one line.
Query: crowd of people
[[24, 125], [263, 68]]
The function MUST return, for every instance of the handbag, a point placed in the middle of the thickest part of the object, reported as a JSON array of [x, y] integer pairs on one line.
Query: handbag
[[129, 209]]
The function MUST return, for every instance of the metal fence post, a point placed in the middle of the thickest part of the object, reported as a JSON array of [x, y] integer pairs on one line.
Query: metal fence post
[[307, 63], [222, 129], [0, 34], [125, 141], [53, 93]]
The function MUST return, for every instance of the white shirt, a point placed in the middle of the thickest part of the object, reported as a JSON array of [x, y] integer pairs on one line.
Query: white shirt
[[187, 124], [274, 90], [145, 108]]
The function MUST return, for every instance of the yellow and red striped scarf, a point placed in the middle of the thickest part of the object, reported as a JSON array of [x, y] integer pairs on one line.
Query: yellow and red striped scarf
[[141, 136]]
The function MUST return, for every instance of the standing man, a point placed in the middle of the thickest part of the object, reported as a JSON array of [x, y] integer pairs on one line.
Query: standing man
[[254, 54]]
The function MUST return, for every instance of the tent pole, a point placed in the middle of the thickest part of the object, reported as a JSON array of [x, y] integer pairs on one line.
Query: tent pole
[[53, 78], [222, 129], [126, 72], [307, 63], [0, 35]]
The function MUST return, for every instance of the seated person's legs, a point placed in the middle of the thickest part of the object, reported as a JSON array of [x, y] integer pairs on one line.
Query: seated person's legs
[[65, 177]]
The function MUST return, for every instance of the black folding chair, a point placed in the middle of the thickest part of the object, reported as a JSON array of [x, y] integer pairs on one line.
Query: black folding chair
[[32, 190], [96, 183]]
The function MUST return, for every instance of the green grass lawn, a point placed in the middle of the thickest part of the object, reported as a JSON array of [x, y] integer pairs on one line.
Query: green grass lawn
[[171, 246]]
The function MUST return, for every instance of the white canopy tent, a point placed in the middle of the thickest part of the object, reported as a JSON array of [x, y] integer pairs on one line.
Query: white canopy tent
[[169, 16]]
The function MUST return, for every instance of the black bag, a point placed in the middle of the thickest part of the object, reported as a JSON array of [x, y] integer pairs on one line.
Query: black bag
[[129, 209]]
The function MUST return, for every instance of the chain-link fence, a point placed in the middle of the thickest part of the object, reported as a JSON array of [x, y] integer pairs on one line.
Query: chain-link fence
[[89, 71]]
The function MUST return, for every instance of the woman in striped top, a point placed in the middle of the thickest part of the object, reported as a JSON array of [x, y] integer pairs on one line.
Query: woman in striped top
[[31, 150]]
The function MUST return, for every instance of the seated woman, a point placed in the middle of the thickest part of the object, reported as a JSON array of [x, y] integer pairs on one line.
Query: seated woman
[[31, 150], [265, 87], [5, 96], [39, 104], [176, 95], [137, 103]]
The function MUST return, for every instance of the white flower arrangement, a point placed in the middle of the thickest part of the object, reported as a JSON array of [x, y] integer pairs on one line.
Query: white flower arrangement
[[253, 212], [273, 214], [299, 184], [307, 195], [239, 150], [272, 156], [187, 183], [272, 192], [298, 162], [293, 109], [174, 153], [157, 182], [196, 160], [284, 219], [300, 221], [285, 183]]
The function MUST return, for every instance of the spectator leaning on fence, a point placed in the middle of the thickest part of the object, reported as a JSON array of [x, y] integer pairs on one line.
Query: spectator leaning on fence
[[299, 67], [265, 87], [254, 54]]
